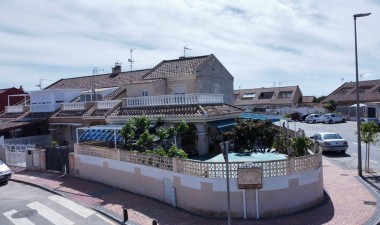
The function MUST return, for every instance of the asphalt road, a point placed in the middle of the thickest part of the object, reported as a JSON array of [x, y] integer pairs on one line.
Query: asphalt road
[[28, 205], [348, 131]]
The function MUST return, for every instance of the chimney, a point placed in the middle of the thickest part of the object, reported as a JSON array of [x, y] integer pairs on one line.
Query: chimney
[[117, 69], [22, 89]]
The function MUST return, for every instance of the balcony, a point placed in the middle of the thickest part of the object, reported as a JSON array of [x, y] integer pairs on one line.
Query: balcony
[[16, 108], [185, 99], [107, 104]]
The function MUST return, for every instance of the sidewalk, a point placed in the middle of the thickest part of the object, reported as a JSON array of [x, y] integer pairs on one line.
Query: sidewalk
[[348, 200]]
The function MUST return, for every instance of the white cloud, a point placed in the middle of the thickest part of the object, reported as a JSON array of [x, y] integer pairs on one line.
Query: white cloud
[[262, 43]]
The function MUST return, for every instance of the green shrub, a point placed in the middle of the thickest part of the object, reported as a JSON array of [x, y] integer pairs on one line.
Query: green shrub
[[300, 145]]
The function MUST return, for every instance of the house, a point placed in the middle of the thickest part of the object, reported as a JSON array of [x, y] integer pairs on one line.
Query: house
[[196, 89], [6, 100], [275, 100], [345, 99]]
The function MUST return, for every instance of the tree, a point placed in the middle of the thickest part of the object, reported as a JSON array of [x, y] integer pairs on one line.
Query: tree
[[252, 135], [319, 99], [330, 106], [369, 136]]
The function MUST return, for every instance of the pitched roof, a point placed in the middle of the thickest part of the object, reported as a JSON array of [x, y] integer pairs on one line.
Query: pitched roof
[[176, 67], [254, 96], [176, 111], [369, 91], [100, 81]]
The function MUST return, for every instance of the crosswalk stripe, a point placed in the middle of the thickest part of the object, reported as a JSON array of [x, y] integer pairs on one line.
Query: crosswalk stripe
[[76, 208], [17, 221], [50, 214]]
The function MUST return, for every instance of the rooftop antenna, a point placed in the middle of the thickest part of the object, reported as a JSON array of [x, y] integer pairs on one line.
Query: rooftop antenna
[[131, 59], [184, 51], [95, 72], [342, 80], [40, 83]]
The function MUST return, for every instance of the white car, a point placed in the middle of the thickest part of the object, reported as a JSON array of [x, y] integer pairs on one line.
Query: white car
[[329, 141], [333, 118], [5, 173], [313, 118]]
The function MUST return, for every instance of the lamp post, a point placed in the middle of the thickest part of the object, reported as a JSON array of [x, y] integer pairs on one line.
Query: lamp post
[[357, 97]]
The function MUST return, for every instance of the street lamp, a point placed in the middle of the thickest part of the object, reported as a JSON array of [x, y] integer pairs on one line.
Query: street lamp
[[357, 97]]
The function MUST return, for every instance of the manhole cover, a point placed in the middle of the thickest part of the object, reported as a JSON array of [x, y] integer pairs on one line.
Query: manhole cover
[[24, 213], [343, 174]]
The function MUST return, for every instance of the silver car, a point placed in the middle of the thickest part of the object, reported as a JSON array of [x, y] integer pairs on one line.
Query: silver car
[[329, 141], [313, 118], [5, 173]]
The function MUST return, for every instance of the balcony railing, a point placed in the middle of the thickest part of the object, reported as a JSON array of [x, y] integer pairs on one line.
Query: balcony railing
[[16, 108], [107, 104], [185, 99], [73, 106]]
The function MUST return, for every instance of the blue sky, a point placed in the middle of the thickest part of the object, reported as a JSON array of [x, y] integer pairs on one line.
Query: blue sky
[[261, 43]]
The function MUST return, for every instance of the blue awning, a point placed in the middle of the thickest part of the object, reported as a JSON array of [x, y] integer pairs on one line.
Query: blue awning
[[223, 125]]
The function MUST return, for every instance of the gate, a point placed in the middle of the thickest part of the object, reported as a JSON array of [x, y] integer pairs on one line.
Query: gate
[[57, 158], [15, 155]]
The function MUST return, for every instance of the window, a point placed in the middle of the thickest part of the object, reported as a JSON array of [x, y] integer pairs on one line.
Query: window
[[285, 94], [216, 88], [248, 95], [88, 97], [343, 91], [364, 89], [144, 93], [266, 95]]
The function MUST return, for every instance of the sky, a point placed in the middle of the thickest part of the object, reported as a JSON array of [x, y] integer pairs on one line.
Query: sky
[[267, 43]]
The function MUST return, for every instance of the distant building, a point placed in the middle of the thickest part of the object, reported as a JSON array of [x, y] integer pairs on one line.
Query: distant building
[[345, 99], [275, 100]]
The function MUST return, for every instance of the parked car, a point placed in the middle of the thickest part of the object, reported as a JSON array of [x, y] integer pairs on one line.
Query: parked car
[[313, 118], [303, 117], [333, 118], [5, 173], [330, 141], [369, 120]]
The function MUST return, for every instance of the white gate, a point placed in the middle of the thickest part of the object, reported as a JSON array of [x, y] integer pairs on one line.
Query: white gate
[[15, 155]]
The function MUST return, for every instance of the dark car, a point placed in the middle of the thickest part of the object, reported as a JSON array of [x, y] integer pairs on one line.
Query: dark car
[[295, 116], [5, 173], [303, 117], [370, 120]]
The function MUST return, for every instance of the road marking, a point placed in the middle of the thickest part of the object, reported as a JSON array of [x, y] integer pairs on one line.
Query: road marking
[[17, 221], [78, 209], [105, 219], [373, 161], [354, 154], [50, 214], [374, 148]]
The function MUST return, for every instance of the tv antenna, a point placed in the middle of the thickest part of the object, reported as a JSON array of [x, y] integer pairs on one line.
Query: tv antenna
[[184, 51], [342, 80], [40, 83], [95, 72], [130, 60]]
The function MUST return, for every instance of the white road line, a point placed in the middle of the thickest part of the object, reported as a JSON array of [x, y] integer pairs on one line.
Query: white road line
[[105, 219], [374, 148], [76, 208], [50, 214], [373, 161], [17, 221], [354, 154]]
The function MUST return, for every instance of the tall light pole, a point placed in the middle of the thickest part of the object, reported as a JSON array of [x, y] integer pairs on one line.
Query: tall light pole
[[357, 97]]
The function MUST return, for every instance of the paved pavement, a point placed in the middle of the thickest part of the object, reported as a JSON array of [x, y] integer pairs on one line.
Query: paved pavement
[[349, 199]]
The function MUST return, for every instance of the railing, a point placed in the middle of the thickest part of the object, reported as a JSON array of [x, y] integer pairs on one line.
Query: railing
[[185, 99], [50, 107], [41, 140], [107, 104], [16, 108], [272, 168], [73, 106]]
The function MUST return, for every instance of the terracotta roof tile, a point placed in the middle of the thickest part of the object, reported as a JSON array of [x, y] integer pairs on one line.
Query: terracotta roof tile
[[100, 81], [176, 67]]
